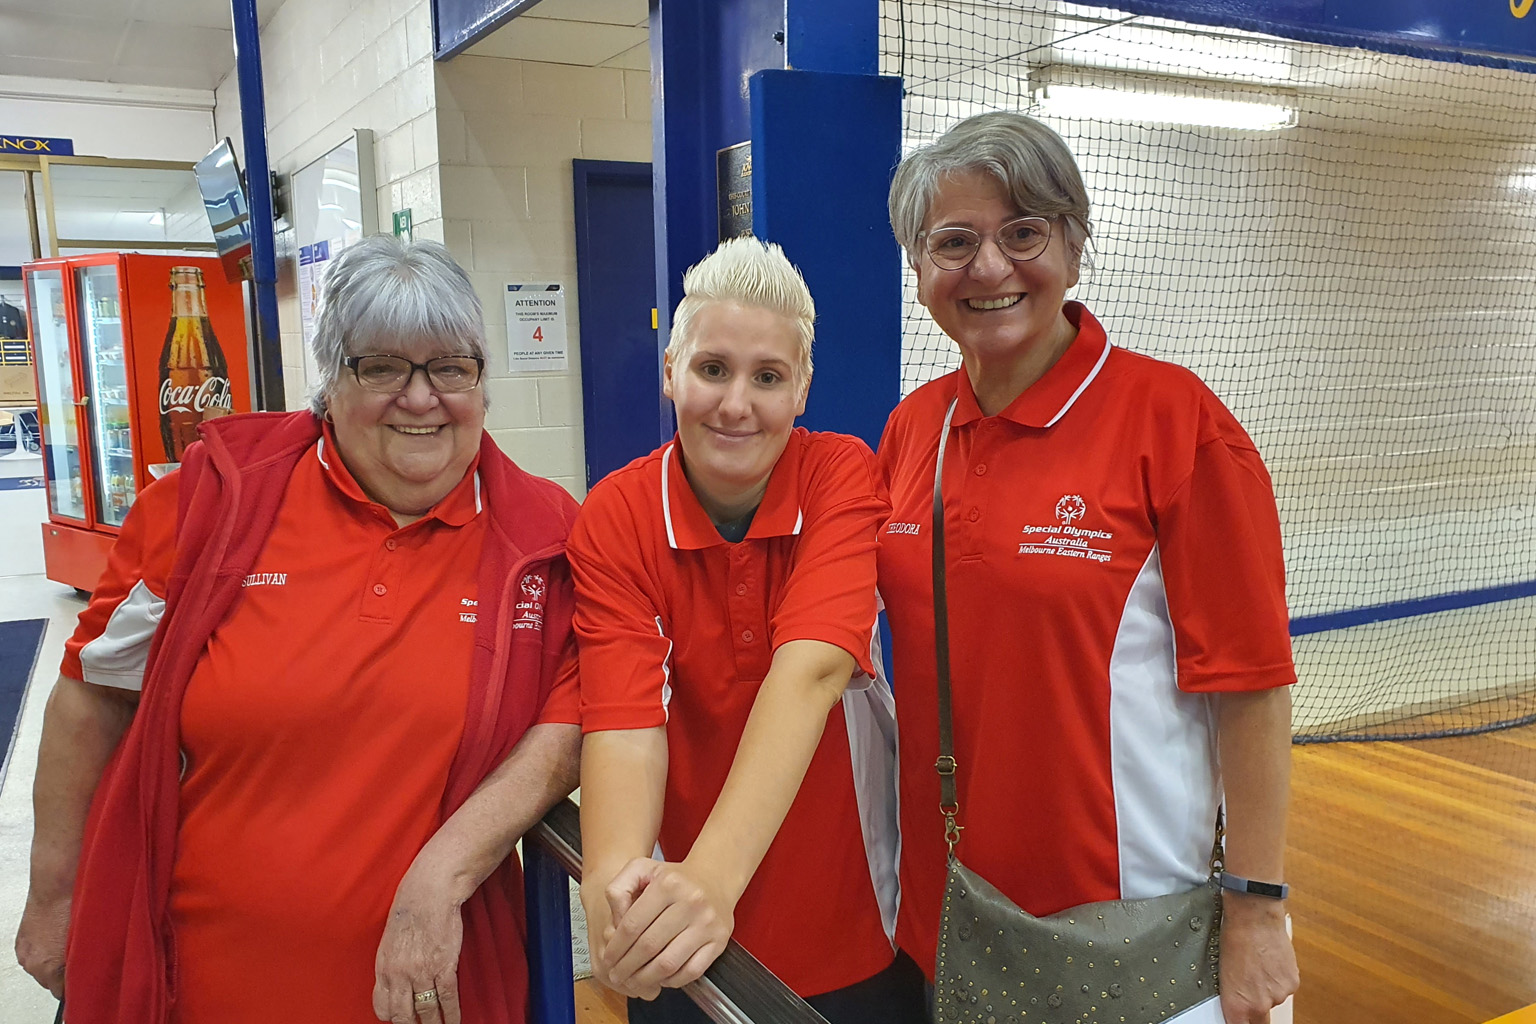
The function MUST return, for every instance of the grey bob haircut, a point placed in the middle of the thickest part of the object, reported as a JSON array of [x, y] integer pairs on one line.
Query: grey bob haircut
[[1020, 153], [748, 272], [384, 290]]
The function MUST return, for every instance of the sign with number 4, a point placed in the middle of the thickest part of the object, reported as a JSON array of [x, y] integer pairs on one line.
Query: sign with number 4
[[536, 328]]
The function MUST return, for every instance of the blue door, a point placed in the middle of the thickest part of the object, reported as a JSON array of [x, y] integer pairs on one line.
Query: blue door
[[623, 412]]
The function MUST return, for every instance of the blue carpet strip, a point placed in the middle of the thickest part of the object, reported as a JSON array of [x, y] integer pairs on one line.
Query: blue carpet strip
[[20, 642]]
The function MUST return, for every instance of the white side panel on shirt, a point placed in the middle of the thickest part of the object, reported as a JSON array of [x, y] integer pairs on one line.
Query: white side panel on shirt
[[1162, 751], [666, 672], [870, 711], [118, 656]]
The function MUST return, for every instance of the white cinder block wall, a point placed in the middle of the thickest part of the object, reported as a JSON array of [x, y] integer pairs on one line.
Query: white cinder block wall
[[330, 67], [507, 133]]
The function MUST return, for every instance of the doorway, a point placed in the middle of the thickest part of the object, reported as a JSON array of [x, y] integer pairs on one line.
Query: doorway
[[623, 412]]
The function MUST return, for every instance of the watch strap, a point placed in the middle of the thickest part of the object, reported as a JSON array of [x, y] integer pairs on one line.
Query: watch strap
[[1269, 890]]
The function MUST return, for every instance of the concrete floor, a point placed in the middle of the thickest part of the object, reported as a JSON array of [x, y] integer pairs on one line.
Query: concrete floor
[[27, 597], [25, 594]]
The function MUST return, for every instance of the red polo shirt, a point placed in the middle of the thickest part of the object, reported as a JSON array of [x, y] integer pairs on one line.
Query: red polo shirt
[[677, 627], [1113, 557], [317, 732]]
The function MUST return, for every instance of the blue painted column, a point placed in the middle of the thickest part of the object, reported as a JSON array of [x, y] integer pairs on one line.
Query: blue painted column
[[796, 79], [266, 346], [546, 890]]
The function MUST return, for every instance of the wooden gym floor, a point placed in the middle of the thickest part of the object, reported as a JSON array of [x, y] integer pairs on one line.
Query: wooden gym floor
[[1414, 868]]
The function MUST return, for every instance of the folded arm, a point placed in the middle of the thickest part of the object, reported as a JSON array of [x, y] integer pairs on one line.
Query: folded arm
[[673, 920], [423, 932], [623, 786]]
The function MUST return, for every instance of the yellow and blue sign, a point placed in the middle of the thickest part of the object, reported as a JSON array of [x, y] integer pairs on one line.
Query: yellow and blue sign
[[35, 145]]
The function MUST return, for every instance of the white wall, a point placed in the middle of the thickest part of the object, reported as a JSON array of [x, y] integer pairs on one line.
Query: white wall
[[508, 131], [1358, 288], [130, 122], [330, 67], [127, 122]]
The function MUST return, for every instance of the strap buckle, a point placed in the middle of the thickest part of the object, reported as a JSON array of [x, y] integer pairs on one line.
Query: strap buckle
[[952, 828], [946, 764]]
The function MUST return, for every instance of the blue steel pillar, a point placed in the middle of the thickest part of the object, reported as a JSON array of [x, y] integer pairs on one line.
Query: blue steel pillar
[[267, 348], [796, 78], [546, 891]]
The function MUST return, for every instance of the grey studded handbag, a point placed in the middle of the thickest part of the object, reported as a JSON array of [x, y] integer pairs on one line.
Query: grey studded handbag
[[1116, 962]]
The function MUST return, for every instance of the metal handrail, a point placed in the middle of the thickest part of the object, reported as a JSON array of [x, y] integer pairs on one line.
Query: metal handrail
[[736, 989]]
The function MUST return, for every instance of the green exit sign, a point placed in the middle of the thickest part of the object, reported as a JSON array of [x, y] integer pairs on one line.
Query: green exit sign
[[403, 225]]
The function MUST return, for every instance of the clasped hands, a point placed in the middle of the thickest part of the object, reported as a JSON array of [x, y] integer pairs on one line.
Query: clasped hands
[[658, 925]]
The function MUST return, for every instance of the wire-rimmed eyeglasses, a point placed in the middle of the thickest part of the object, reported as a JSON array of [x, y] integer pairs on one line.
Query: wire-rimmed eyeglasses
[[954, 248], [389, 375]]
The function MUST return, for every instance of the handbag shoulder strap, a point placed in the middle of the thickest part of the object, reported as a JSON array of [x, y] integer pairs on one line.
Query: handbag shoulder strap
[[946, 765], [949, 803]]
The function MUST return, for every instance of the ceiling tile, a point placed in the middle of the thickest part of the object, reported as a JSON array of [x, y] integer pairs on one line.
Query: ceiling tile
[[167, 75], [609, 12], [67, 8], [31, 34], [195, 13], [48, 67], [208, 49], [559, 42], [636, 58]]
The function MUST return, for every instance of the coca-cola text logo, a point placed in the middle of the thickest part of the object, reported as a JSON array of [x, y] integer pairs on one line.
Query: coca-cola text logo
[[212, 392]]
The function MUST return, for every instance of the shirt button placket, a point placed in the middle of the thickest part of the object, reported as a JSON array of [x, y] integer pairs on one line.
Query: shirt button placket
[[973, 496], [377, 602], [744, 604]]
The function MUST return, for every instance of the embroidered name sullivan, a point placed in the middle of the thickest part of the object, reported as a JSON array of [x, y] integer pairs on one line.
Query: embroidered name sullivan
[[265, 579]]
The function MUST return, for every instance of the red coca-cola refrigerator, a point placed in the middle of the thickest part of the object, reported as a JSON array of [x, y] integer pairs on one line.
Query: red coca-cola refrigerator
[[132, 352]]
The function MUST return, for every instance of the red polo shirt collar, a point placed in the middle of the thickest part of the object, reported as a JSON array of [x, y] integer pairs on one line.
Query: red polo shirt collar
[[460, 505], [1048, 399], [689, 527]]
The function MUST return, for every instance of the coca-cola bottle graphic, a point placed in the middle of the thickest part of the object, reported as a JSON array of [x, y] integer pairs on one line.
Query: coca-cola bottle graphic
[[194, 378]]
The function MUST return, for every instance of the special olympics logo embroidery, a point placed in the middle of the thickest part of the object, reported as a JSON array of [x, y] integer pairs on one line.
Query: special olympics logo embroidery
[[1071, 508], [530, 610]]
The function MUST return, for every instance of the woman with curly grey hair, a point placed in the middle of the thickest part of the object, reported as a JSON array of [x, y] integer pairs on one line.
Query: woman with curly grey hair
[[333, 653], [1107, 665]]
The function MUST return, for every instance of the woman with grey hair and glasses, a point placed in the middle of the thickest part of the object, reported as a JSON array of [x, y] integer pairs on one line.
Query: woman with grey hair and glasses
[[333, 654], [1110, 563]]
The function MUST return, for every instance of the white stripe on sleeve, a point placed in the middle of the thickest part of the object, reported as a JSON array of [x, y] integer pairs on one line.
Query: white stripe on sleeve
[[117, 657]]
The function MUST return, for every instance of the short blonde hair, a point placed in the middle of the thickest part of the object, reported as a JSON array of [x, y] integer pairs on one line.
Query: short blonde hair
[[751, 273]]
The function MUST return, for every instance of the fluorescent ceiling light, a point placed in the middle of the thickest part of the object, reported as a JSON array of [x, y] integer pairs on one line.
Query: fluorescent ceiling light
[[1169, 48], [1133, 48], [1081, 102], [1525, 181]]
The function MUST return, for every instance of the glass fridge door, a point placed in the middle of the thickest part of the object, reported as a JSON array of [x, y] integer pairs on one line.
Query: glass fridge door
[[57, 415], [106, 370]]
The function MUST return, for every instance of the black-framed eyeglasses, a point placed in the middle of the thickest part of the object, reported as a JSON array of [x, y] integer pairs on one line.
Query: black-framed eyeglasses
[[954, 248], [389, 375]]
